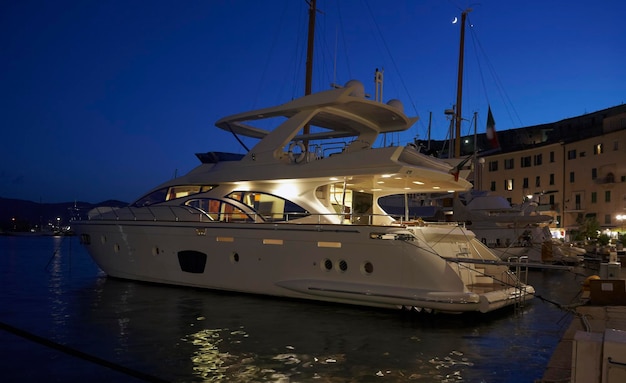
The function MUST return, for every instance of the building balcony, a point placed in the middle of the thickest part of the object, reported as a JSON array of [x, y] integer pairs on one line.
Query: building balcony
[[548, 207], [608, 179], [577, 208]]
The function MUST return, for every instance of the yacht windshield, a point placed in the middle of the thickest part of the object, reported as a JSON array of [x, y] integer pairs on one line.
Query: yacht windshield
[[170, 193]]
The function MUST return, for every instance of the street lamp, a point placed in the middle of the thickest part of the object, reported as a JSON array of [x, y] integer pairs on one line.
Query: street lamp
[[481, 161]]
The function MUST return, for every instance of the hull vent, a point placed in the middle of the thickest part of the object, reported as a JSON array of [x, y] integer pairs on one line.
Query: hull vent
[[192, 261]]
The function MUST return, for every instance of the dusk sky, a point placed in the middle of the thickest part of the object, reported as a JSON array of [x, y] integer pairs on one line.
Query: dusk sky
[[107, 99]]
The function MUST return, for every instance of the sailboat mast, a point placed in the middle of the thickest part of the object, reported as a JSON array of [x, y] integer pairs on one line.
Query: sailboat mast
[[310, 46], [430, 121], [459, 90], [309, 59]]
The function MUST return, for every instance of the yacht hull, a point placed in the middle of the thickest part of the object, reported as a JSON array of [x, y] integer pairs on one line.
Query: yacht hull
[[353, 264]]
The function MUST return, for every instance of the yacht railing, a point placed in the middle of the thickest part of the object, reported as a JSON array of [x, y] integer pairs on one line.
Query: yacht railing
[[520, 271], [167, 213]]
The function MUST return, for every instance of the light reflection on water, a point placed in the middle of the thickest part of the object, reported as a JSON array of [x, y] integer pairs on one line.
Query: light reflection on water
[[214, 365], [189, 335]]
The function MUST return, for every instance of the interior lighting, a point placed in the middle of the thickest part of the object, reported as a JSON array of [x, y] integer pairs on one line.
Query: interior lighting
[[288, 190]]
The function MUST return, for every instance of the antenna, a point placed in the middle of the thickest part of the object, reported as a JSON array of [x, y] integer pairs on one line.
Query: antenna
[[378, 82]]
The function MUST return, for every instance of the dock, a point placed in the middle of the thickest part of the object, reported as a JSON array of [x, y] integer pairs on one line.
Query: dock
[[600, 322]]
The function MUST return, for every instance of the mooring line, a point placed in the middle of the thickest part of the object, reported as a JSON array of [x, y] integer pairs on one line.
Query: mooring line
[[79, 354]]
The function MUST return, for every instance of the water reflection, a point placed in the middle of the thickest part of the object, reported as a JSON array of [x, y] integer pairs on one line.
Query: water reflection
[[243, 338], [208, 360], [189, 335], [210, 336], [57, 286]]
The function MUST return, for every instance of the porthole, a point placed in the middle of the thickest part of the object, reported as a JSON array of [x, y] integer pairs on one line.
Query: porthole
[[103, 239], [116, 248], [367, 268], [327, 264], [234, 257], [343, 265], [155, 250]]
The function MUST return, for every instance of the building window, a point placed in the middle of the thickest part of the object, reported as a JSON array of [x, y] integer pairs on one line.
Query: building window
[[615, 145], [538, 159], [594, 197], [607, 219], [508, 164], [493, 166], [571, 154], [582, 154], [607, 196], [525, 186], [552, 200], [508, 184], [594, 173], [552, 179], [571, 177], [538, 181], [598, 149], [551, 156], [525, 162], [493, 186], [610, 178]]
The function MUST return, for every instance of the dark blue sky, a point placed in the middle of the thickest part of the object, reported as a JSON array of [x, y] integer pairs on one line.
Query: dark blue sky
[[106, 99]]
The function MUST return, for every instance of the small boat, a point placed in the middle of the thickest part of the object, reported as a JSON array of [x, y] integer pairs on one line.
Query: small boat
[[297, 216]]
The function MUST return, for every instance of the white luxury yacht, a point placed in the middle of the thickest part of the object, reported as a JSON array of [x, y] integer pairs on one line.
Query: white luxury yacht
[[513, 231], [298, 216]]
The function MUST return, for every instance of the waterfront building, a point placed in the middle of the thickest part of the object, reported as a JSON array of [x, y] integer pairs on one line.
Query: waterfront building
[[575, 169]]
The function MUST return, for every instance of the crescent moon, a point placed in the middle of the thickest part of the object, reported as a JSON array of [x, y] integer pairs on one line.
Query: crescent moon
[[455, 20]]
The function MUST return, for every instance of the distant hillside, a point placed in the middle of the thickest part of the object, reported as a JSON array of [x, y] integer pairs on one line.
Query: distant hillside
[[22, 215]]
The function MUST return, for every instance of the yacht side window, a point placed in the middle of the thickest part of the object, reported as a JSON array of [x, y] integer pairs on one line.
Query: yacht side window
[[270, 207], [170, 193], [221, 211], [181, 191], [152, 198]]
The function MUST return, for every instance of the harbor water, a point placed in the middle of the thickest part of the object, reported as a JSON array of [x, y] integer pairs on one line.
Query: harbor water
[[63, 320]]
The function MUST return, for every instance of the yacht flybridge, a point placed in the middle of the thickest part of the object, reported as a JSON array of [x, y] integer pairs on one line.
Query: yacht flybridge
[[297, 216]]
